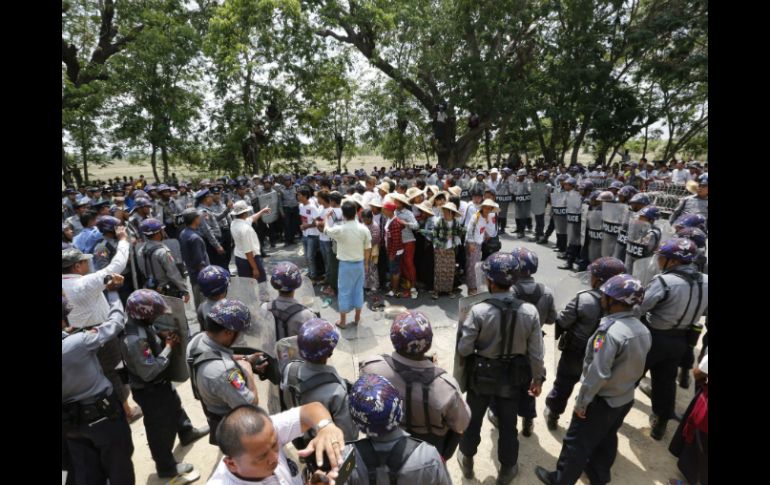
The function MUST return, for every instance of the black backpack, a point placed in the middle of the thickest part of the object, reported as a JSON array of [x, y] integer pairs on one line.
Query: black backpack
[[282, 317], [411, 375], [394, 460], [533, 297]]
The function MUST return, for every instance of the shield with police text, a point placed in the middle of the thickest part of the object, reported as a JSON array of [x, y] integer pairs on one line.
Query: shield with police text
[[612, 215], [559, 208], [622, 240], [595, 235], [459, 368], [539, 191], [574, 218], [269, 199], [666, 231], [176, 321]]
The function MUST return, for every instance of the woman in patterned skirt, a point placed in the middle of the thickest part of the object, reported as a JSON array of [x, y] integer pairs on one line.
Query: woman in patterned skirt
[[446, 236]]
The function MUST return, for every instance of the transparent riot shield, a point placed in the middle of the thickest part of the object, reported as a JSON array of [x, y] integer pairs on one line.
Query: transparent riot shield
[[260, 337], [666, 231], [269, 199], [559, 205], [305, 294], [574, 218], [645, 269], [620, 243], [612, 216], [459, 367], [638, 245], [176, 321], [595, 235], [245, 290], [567, 287], [481, 280]]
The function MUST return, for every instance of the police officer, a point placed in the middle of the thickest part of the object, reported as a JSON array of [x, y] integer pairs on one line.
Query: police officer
[[558, 213], [504, 196], [94, 426], [219, 206], [674, 302], [272, 199], [694, 204], [574, 216], [314, 380], [389, 454], [289, 210], [213, 282], [193, 249], [157, 264], [166, 211], [540, 190], [645, 244], [142, 210], [209, 227], [289, 313], [435, 409], [106, 249], [502, 356], [575, 325], [146, 364], [614, 363], [74, 220], [522, 201], [69, 200], [625, 194], [221, 381], [184, 200]]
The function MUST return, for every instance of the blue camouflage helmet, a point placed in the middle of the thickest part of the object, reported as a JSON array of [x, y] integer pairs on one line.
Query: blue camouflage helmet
[[679, 248], [691, 220], [140, 193], [317, 339], [231, 314], [586, 185], [571, 181], [213, 280], [199, 195], [107, 223], [526, 260], [640, 198], [411, 333], [594, 195], [617, 184], [624, 288], [85, 201], [606, 267], [693, 234], [574, 169], [500, 268], [287, 178], [703, 179], [151, 226], [627, 191], [163, 187], [605, 196], [146, 305], [142, 202], [286, 277], [562, 177], [150, 188], [651, 212], [544, 173], [266, 179], [375, 405]]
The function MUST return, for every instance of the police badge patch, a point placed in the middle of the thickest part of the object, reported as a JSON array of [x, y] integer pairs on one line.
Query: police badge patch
[[599, 342], [147, 353], [236, 379]]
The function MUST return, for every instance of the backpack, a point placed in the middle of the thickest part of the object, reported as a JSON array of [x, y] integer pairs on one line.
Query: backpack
[[282, 317], [411, 376], [394, 460], [533, 297], [691, 280]]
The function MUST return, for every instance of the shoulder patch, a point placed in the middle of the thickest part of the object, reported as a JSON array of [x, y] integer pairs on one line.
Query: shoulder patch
[[147, 353], [599, 341], [235, 378]]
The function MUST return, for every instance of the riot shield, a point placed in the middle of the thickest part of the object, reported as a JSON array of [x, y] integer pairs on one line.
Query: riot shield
[[612, 215], [539, 193], [176, 321], [286, 350], [574, 218], [269, 199], [637, 246], [522, 199], [245, 290], [645, 269], [481, 280], [559, 207], [305, 294], [666, 231], [569, 286], [595, 235], [622, 240], [459, 369]]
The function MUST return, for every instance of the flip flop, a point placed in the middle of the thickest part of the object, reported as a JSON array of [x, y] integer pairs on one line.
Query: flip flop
[[337, 323]]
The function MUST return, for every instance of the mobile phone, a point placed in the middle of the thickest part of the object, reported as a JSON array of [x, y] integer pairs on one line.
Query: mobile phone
[[348, 464]]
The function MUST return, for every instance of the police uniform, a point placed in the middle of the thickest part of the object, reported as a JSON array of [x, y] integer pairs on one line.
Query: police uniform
[[133, 225], [290, 210], [166, 212], [217, 380], [576, 323], [613, 364], [692, 204], [146, 361], [184, 201], [539, 192], [448, 414], [674, 302], [504, 195], [94, 425], [289, 316], [103, 254], [155, 260], [522, 200], [224, 229], [211, 233], [480, 336]]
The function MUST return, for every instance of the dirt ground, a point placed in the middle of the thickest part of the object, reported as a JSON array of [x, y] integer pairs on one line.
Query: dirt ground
[[640, 459]]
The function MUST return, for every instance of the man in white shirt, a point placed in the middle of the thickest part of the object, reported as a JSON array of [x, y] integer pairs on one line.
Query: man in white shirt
[[308, 213], [370, 194], [248, 253], [84, 291], [680, 175], [252, 444]]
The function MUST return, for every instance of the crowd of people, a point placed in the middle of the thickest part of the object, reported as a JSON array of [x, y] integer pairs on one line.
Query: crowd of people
[[130, 246]]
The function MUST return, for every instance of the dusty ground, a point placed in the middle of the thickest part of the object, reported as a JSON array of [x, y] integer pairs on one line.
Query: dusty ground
[[640, 460]]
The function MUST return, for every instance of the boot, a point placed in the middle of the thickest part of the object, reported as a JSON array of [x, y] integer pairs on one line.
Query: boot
[[551, 419], [492, 417], [193, 435], [684, 378], [646, 388], [658, 426], [526, 427], [507, 474], [466, 465], [543, 475]]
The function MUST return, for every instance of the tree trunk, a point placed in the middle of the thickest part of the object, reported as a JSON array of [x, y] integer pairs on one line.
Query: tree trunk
[[488, 148], [579, 140], [69, 170], [644, 148], [85, 165], [455, 153], [164, 158], [154, 163]]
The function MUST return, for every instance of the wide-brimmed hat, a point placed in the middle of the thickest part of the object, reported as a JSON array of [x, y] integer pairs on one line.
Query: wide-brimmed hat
[[455, 191], [400, 198], [450, 206], [240, 207], [426, 207], [491, 203], [375, 202], [413, 192], [433, 199], [357, 198], [384, 186], [691, 186]]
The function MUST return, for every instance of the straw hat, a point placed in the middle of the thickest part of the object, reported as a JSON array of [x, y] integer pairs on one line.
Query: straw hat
[[375, 202], [450, 206], [433, 199], [413, 192], [426, 207], [455, 191], [433, 188], [490, 203], [385, 187], [357, 198], [400, 198], [691, 186]]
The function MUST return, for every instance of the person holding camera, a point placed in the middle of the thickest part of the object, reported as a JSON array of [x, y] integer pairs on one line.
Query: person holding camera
[[502, 345], [157, 264], [146, 365], [252, 443], [220, 380]]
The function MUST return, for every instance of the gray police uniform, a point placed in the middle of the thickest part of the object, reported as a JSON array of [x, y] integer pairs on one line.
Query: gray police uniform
[[504, 196], [674, 302], [218, 381], [95, 433], [184, 201], [224, 227], [448, 414], [480, 336], [423, 464], [614, 363], [104, 251], [290, 209], [306, 382], [212, 234], [154, 259], [539, 192], [576, 323], [164, 417], [692, 204], [133, 225], [522, 204], [289, 316], [166, 212]]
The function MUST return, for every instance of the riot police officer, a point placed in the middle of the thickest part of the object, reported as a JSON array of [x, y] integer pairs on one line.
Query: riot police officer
[[107, 249], [74, 221], [142, 210], [218, 206], [221, 381], [388, 453], [146, 364], [522, 200], [95, 431], [435, 409], [574, 206], [289, 313], [503, 345], [157, 264], [209, 227], [674, 302], [167, 211], [610, 372], [213, 282], [575, 325]]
